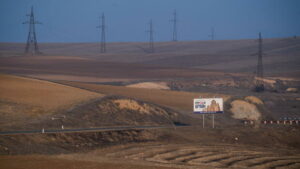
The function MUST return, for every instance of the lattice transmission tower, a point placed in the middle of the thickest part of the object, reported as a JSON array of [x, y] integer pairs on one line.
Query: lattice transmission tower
[[259, 83], [151, 39], [103, 40], [174, 20], [31, 45], [212, 33]]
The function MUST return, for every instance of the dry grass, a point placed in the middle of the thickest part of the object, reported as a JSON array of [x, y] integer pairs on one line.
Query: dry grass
[[40, 93], [173, 99]]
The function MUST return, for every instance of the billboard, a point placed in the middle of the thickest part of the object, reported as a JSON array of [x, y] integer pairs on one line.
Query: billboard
[[208, 105]]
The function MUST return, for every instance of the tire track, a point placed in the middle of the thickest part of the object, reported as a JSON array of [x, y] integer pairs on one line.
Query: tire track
[[288, 166], [281, 163], [266, 160]]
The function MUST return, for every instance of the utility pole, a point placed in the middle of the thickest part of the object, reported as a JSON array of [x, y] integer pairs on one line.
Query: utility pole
[[151, 39], [174, 20], [31, 45], [259, 83], [102, 27], [212, 35]]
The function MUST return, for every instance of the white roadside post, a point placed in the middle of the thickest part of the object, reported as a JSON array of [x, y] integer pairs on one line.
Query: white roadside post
[[60, 118]]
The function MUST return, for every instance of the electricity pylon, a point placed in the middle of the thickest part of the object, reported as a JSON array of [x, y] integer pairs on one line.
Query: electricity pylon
[[174, 20], [31, 45], [259, 83], [103, 40], [212, 35], [151, 39]]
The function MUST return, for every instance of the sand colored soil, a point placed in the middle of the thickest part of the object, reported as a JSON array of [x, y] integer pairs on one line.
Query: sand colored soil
[[254, 100], [132, 105], [46, 95], [142, 108], [292, 90], [150, 85], [244, 110]]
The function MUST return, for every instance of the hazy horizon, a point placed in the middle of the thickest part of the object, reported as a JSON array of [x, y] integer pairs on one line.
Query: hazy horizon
[[128, 21]]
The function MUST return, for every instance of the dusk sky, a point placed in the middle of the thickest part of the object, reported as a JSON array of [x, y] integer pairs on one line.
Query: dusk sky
[[127, 20]]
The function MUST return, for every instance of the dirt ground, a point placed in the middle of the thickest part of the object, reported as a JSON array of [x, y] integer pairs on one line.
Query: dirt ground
[[77, 73], [188, 147]]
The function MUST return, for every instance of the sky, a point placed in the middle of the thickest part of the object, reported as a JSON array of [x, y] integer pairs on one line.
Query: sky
[[128, 20]]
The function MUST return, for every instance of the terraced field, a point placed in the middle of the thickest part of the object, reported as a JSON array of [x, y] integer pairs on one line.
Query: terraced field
[[208, 156]]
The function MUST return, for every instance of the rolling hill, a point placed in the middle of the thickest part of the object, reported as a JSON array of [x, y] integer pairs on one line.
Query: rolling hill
[[130, 60]]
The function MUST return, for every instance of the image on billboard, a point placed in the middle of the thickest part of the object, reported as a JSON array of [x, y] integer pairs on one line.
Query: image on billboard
[[208, 105]]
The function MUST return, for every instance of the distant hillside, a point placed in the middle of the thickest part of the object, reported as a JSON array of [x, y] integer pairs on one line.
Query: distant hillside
[[282, 56]]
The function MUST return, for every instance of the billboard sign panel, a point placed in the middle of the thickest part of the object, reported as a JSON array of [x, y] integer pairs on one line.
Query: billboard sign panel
[[208, 105]]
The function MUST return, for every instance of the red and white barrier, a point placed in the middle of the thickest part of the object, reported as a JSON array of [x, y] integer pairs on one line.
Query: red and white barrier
[[277, 122]]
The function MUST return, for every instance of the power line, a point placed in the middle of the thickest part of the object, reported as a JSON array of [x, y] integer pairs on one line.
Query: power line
[[174, 20], [103, 40], [151, 39], [31, 45]]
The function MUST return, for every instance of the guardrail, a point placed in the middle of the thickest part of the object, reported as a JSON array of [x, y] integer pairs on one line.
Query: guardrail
[[101, 129]]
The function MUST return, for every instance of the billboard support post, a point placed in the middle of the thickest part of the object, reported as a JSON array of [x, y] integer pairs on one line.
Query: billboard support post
[[213, 120], [208, 106], [203, 121]]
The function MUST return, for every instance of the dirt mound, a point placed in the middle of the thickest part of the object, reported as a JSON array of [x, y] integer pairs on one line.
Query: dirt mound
[[114, 111], [292, 90], [254, 100], [142, 108], [150, 85], [244, 111]]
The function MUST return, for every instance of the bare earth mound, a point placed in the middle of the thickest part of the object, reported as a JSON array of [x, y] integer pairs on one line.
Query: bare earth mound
[[244, 110], [254, 100], [150, 85], [117, 111]]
